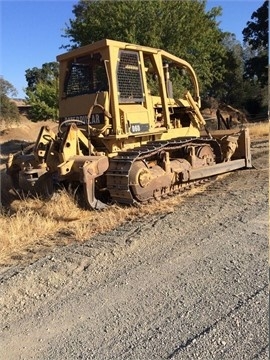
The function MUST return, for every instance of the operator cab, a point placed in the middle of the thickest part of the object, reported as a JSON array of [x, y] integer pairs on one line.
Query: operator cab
[[122, 90]]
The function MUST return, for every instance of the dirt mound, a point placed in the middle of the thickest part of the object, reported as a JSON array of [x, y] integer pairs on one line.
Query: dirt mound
[[26, 130]]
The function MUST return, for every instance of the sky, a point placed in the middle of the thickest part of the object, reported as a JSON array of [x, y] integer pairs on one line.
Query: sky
[[32, 32]]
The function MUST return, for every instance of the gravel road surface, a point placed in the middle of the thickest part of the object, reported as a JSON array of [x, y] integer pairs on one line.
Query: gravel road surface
[[191, 284]]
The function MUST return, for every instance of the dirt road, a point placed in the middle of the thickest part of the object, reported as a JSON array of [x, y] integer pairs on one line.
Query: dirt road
[[191, 284]]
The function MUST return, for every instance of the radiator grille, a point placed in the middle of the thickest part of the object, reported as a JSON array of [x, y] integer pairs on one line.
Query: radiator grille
[[129, 78]]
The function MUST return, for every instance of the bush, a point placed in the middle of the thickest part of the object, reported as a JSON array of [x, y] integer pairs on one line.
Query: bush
[[43, 101], [9, 111]]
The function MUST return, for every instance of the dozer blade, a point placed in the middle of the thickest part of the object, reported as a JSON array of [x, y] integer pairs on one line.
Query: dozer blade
[[235, 145]]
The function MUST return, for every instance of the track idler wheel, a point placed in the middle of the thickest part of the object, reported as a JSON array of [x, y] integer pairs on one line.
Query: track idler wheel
[[206, 154], [148, 182]]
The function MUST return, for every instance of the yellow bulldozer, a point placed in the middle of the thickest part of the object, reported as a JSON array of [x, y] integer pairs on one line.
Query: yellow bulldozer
[[129, 129]]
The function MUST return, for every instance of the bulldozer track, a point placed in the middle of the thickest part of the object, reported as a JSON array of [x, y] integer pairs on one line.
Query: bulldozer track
[[118, 174]]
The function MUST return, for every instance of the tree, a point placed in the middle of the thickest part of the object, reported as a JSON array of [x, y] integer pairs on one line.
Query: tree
[[47, 73], [230, 89], [42, 91], [256, 36], [6, 88], [183, 28], [9, 111], [44, 101]]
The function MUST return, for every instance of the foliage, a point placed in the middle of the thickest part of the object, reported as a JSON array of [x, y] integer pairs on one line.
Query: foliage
[[255, 54], [9, 111], [256, 36], [255, 98], [47, 73], [6, 88], [256, 32], [176, 26], [246, 71], [229, 90], [42, 91], [44, 101]]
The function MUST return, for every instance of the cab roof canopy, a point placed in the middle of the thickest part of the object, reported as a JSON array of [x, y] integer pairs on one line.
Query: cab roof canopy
[[106, 43]]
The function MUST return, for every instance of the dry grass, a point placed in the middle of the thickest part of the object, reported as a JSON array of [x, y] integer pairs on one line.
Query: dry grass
[[33, 222], [259, 129]]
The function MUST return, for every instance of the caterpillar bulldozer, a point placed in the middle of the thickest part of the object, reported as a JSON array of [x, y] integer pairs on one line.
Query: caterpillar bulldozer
[[129, 129]]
